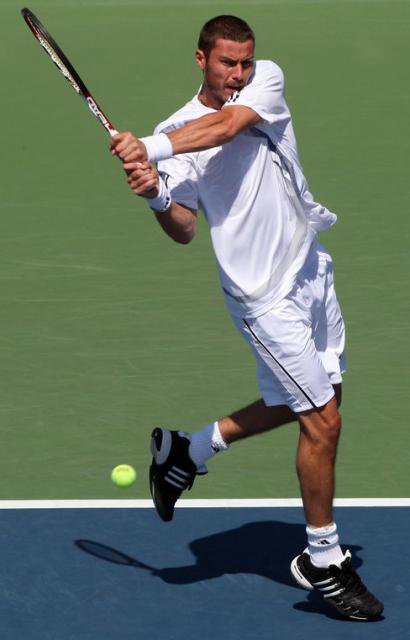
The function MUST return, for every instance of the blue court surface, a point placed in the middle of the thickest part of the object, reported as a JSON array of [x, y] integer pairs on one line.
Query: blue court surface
[[211, 574]]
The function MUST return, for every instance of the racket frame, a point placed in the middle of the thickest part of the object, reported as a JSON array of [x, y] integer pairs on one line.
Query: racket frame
[[63, 64]]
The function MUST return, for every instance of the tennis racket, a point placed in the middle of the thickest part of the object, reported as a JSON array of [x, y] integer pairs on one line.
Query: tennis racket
[[64, 65]]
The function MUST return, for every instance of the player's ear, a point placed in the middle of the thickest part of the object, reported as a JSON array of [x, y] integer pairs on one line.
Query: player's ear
[[200, 59]]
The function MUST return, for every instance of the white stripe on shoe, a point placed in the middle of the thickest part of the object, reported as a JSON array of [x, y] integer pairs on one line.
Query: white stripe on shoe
[[178, 484], [321, 582], [178, 470], [177, 478], [334, 593], [329, 587]]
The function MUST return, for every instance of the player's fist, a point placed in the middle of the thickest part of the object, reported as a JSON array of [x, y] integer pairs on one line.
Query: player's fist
[[127, 147], [143, 178]]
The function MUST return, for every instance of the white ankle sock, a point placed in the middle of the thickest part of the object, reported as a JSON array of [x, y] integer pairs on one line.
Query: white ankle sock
[[324, 548], [205, 444]]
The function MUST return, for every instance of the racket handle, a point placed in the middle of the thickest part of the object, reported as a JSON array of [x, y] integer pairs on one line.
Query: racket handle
[[112, 132]]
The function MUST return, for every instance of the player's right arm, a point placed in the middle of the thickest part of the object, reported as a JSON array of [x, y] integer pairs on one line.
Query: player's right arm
[[177, 220]]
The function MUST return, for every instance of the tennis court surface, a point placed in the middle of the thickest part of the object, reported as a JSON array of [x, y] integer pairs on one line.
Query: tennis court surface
[[83, 574]]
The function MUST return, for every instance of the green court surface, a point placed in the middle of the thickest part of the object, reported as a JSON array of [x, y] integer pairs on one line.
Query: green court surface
[[108, 328]]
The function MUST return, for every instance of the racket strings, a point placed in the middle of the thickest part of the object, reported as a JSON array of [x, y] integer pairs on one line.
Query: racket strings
[[56, 59]]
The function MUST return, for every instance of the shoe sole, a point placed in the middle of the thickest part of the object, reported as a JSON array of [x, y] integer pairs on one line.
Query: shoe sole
[[160, 447], [298, 575], [161, 440]]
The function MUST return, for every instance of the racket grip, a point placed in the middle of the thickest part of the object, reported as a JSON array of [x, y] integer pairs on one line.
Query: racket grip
[[112, 132]]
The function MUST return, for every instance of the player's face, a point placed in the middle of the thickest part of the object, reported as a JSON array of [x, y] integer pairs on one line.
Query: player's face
[[226, 70]]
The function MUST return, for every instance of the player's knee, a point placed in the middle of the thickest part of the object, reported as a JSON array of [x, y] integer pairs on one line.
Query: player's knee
[[334, 423], [331, 427], [324, 431]]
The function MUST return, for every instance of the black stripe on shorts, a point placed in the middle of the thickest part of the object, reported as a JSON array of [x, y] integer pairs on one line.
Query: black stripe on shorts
[[281, 366]]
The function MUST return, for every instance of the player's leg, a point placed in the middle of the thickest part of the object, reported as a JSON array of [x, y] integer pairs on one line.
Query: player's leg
[[315, 461], [178, 456], [258, 417], [246, 422], [323, 566], [253, 419]]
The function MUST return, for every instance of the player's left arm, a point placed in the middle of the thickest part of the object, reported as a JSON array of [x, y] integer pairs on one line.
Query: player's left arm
[[260, 100], [208, 131], [213, 130]]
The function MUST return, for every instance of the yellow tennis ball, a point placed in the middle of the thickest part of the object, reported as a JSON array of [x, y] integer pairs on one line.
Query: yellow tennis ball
[[123, 475]]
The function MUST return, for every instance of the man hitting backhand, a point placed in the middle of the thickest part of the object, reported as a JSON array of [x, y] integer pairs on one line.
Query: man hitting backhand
[[231, 151]]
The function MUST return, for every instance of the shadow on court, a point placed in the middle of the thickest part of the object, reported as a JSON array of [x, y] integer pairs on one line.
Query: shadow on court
[[258, 548]]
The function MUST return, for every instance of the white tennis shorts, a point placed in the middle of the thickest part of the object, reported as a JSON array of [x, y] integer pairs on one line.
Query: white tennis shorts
[[299, 344]]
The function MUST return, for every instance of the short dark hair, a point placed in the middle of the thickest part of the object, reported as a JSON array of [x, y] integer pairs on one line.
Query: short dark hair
[[226, 27]]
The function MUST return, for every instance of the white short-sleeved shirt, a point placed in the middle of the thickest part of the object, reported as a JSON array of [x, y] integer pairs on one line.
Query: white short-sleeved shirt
[[261, 215]]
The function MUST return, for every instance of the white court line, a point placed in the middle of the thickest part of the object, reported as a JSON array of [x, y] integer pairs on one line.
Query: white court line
[[196, 504]]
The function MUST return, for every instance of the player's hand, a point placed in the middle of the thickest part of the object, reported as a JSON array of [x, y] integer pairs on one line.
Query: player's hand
[[127, 147], [143, 178]]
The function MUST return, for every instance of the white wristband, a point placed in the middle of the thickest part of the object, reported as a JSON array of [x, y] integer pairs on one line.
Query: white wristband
[[162, 201], [158, 147]]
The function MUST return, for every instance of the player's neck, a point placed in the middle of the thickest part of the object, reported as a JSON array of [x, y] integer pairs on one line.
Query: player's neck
[[209, 99]]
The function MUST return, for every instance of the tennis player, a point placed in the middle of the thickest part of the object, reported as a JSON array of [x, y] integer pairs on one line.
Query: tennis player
[[231, 152]]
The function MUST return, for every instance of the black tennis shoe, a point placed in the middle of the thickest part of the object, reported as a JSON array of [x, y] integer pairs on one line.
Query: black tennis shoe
[[339, 585], [171, 471]]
